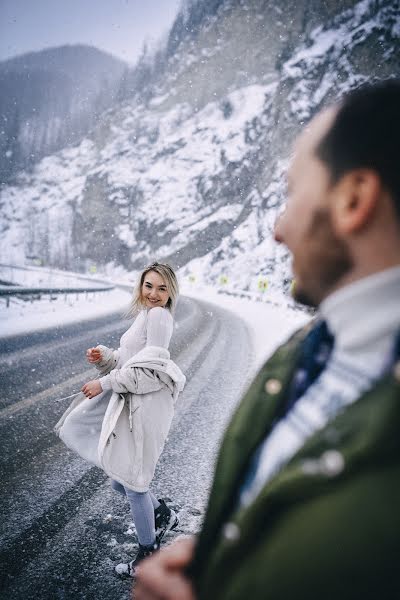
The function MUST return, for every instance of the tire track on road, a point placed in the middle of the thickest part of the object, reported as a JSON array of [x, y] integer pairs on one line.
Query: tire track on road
[[30, 543]]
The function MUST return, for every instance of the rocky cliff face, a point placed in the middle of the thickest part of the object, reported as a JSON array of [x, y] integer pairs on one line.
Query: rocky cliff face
[[51, 99], [191, 168]]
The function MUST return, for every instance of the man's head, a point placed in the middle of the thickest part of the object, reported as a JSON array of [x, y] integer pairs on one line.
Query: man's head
[[342, 220]]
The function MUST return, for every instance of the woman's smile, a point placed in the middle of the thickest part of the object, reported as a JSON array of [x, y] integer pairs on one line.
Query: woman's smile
[[154, 284]]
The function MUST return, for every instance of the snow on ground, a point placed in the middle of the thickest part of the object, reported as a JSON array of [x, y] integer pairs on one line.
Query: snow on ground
[[31, 276], [24, 317]]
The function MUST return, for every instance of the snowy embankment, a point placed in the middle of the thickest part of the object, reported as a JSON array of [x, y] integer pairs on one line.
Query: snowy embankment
[[24, 316]]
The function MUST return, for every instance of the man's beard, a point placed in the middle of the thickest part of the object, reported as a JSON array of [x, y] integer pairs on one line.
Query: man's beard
[[328, 261]]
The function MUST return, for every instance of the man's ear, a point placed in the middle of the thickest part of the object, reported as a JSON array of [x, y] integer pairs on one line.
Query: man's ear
[[355, 199]]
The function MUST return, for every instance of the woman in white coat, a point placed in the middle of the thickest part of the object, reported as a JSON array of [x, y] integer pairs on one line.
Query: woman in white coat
[[135, 399]]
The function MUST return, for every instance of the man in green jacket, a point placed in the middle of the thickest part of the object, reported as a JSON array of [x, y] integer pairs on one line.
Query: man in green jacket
[[305, 502]]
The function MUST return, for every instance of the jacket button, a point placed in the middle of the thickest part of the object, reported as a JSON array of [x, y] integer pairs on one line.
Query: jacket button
[[396, 371], [332, 463], [273, 386], [231, 532]]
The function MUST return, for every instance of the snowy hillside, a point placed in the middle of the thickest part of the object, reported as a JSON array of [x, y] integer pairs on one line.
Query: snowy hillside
[[195, 174], [50, 99]]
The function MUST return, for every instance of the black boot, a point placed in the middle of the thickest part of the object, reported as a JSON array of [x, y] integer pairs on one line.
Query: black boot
[[128, 569], [165, 520]]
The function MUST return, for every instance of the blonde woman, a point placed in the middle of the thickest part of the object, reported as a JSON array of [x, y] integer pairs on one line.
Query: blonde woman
[[124, 418]]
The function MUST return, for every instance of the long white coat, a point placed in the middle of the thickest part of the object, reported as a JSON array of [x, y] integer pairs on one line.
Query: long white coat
[[124, 431]]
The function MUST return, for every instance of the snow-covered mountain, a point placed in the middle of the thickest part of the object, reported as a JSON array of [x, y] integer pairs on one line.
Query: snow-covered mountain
[[51, 99], [190, 169]]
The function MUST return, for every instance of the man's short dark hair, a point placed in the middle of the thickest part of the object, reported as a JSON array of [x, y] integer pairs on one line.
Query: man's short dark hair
[[366, 134]]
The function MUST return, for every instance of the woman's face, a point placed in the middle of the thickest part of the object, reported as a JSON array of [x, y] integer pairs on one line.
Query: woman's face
[[154, 290]]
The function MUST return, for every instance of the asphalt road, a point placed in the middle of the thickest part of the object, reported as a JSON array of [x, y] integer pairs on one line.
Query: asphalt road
[[62, 528]]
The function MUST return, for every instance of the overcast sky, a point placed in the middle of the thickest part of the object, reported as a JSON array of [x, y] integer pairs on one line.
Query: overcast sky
[[116, 26]]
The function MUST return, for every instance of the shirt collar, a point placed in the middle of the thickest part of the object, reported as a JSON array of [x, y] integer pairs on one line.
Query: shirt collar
[[364, 312]]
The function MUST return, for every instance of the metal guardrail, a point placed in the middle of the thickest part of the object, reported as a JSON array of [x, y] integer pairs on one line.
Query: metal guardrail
[[51, 272], [15, 290], [260, 298]]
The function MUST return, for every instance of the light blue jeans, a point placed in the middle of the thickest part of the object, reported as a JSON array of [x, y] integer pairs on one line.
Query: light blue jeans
[[143, 505]]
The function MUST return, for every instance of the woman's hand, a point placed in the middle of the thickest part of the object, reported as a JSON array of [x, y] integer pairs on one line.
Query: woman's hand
[[93, 355], [92, 388]]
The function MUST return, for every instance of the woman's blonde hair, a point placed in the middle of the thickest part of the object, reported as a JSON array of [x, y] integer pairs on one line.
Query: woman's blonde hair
[[169, 277]]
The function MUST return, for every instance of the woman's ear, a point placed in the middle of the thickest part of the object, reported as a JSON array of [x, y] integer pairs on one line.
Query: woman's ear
[[355, 200]]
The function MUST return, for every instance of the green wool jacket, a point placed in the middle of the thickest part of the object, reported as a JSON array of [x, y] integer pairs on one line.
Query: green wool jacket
[[327, 526]]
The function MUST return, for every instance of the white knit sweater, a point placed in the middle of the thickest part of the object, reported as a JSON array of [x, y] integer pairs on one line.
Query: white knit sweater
[[152, 327]]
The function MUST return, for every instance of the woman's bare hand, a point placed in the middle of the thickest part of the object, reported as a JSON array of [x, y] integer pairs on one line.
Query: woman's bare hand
[[93, 355], [92, 388]]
